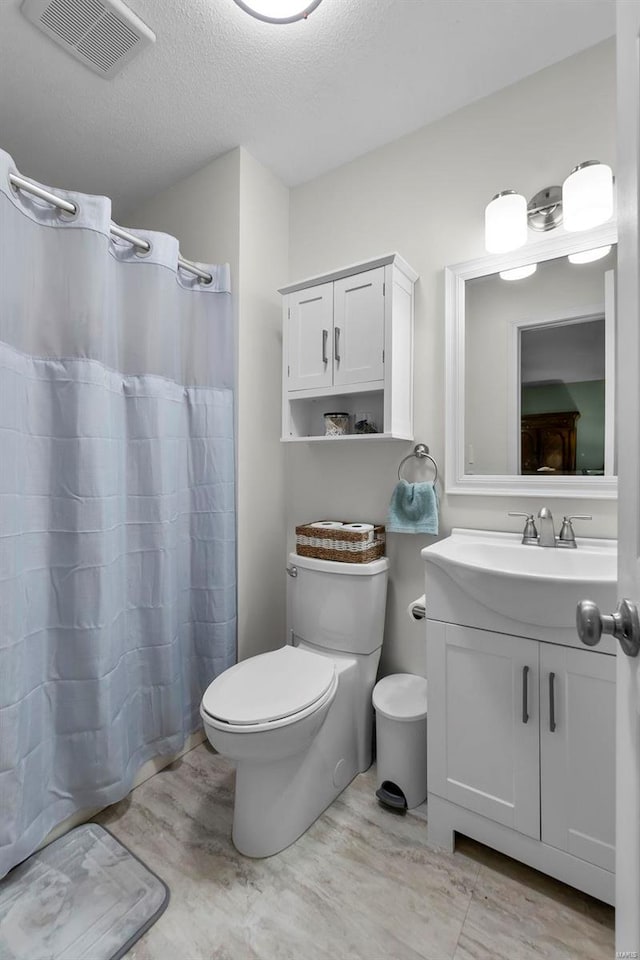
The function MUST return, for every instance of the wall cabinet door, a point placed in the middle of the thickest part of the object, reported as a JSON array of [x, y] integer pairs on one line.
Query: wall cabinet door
[[310, 338], [358, 332], [483, 728], [577, 732]]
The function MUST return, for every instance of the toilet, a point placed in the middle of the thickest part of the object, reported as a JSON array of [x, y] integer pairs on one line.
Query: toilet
[[298, 721]]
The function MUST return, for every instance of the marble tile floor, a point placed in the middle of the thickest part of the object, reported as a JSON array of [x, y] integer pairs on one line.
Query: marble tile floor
[[361, 884]]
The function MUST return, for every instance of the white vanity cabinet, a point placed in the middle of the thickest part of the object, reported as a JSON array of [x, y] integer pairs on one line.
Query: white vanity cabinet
[[348, 347], [487, 703], [577, 752], [521, 750]]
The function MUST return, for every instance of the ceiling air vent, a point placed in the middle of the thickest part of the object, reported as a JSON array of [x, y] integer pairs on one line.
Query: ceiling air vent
[[103, 34]]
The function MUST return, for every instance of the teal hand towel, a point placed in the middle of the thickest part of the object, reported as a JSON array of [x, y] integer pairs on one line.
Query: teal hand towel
[[413, 508]]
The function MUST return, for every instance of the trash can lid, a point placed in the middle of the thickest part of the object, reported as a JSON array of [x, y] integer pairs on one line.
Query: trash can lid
[[401, 696]]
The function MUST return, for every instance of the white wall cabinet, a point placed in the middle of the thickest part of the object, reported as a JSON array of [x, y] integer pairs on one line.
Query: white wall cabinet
[[521, 735], [310, 328], [358, 329], [348, 346]]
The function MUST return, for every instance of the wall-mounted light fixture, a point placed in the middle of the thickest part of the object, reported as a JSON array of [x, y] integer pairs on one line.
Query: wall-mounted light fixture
[[519, 273], [589, 256], [587, 196], [505, 222], [278, 11], [585, 200]]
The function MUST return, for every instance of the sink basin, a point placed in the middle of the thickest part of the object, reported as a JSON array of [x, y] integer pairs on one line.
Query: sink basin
[[530, 584]]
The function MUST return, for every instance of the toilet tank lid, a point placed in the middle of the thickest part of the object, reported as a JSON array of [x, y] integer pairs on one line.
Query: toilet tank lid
[[335, 566]]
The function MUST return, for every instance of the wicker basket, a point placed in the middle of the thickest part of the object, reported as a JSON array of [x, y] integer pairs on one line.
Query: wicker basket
[[346, 546]]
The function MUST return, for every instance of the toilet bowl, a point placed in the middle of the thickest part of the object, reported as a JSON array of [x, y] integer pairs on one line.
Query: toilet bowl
[[297, 721]]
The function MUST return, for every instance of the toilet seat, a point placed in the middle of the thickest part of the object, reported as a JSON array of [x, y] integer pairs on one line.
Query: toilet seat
[[270, 689]]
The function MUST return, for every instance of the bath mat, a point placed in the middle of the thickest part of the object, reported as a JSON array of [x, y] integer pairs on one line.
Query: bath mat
[[84, 897]]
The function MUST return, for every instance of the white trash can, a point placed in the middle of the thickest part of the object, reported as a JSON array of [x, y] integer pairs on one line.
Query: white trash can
[[400, 702]]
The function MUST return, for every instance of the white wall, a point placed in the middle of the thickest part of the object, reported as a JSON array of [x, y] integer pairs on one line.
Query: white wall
[[236, 211], [424, 196], [201, 211], [264, 232]]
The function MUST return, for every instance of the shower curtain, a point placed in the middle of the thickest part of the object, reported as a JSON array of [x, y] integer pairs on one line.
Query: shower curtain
[[117, 507]]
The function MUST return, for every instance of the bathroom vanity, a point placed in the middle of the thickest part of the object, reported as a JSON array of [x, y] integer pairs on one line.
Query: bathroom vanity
[[521, 731]]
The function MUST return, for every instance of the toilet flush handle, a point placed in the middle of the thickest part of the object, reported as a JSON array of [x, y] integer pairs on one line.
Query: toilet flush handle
[[292, 571]]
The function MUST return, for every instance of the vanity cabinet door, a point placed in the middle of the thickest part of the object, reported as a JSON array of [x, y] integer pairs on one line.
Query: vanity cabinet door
[[577, 749], [483, 729], [358, 318], [310, 338]]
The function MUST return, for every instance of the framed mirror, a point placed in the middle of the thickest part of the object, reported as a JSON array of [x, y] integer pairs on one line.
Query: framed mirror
[[531, 370]]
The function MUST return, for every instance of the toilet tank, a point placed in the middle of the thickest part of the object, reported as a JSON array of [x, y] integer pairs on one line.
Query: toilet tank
[[338, 606]]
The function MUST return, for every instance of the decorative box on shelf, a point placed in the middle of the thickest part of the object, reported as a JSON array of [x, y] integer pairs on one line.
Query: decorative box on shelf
[[341, 543]]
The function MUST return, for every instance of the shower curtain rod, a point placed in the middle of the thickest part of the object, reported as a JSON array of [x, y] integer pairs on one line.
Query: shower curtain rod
[[21, 184]]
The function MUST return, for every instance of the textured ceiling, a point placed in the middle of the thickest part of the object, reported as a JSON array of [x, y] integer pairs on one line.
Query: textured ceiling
[[301, 98]]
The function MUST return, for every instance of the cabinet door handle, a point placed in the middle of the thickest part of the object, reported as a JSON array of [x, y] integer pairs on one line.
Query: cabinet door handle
[[552, 703], [325, 336], [336, 344], [525, 694]]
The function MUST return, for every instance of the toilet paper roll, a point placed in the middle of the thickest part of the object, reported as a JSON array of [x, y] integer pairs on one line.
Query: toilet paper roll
[[417, 609], [329, 524], [358, 527]]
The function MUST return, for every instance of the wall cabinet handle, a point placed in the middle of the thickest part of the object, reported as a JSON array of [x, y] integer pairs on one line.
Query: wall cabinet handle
[[325, 337], [525, 694], [552, 703], [336, 344]]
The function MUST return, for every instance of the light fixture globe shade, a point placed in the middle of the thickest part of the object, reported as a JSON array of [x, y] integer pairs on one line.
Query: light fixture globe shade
[[519, 273], [589, 256], [278, 11], [505, 222], [587, 196]]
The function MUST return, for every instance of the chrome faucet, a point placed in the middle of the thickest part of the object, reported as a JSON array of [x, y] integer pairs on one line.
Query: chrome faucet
[[547, 536]]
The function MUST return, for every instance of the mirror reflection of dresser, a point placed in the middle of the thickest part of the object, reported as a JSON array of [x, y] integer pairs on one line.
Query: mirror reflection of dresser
[[548, 442]]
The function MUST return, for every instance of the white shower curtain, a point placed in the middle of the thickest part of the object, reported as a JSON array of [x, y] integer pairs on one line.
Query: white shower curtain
[[117, 507]]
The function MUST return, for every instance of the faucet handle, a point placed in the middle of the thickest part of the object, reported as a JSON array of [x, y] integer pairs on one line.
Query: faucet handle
[[567, 536], [530, 534]]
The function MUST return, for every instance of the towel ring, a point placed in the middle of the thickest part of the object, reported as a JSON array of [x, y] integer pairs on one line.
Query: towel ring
[[420, 452]]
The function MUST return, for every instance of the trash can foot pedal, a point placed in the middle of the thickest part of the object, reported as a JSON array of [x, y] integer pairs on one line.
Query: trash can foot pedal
[[391, 796]]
